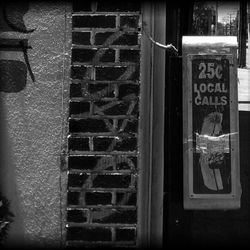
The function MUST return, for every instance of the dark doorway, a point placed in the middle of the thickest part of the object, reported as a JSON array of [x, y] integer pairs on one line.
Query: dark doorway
[[197, 228]]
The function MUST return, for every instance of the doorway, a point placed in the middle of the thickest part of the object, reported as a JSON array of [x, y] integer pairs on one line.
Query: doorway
[[200, 228]]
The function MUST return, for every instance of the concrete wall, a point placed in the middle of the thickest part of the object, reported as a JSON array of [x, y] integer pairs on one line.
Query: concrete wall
[[32, 127]]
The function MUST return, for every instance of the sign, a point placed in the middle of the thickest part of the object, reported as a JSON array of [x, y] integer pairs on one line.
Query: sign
[[211, 125], [211, 166]]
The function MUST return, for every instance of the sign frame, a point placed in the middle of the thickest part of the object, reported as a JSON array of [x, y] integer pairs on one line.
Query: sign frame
[[213, 200]]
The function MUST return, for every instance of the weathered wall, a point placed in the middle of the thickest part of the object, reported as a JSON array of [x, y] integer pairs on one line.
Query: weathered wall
[[32, 122]]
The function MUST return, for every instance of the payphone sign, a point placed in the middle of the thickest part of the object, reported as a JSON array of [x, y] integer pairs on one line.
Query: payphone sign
[[211, 125]]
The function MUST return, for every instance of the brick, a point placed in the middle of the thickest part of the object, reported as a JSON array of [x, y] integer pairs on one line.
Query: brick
[[129, 21], [126, 144], [113, 108], [115, 216], [128, 91], [103, 144], [100, 38], [117, 73], [80, 144], [83, 55], [88, 55], [125, 39], [79, 108], [80, 72], [77, 180], [80, 216], [101, 90], [100, 163], [79, 89], [131, 126], [123, 198], [134, 74], [98, 198], [109, 73], [81, 6], [91, 162], [127, 55], [136, 110], [126, 163], [94, 21], [112, 181], [107, 56], [89, 234], [75, 90], [81, 38], [73, 198], [115, 144], [87, 125], [125, 234], [118, 6], [83, 162]]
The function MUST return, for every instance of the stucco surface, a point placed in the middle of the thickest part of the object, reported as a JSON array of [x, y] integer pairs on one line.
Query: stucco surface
[[32, 130]]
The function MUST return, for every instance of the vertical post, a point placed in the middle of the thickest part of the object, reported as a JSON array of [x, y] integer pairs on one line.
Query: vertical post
[[145, 127], [150, 206], [158, 126], [248, 29], [216, 18], [242, 34]]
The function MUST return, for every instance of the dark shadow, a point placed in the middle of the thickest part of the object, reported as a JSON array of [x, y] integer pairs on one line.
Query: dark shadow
[[11, 16], [13, 76], [8, 186]]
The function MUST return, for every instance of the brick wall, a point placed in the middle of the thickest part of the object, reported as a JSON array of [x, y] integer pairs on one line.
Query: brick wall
[[103, 124]]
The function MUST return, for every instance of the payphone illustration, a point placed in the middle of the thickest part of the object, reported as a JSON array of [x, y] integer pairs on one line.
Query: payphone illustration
[[211, 124]]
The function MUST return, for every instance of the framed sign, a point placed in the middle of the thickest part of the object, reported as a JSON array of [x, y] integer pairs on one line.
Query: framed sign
[[211, 146]]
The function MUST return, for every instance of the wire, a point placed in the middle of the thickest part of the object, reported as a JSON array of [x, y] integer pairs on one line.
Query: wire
[[169, 47]]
